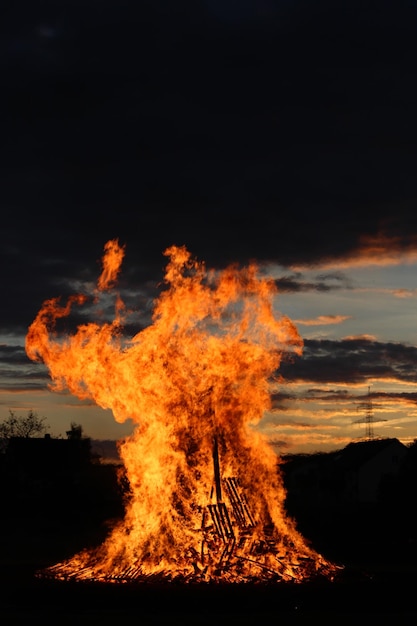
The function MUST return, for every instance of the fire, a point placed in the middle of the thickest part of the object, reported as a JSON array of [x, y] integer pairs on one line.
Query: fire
[[206, 501]]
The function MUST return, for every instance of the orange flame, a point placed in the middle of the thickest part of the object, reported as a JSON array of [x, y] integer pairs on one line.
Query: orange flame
[[112, 262], [206, 501]]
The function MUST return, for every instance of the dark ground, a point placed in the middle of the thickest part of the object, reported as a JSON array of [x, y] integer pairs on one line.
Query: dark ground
[[376, 545], [382, 590]]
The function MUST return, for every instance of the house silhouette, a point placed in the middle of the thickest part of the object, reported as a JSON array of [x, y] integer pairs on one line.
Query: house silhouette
[[35, 462], [354, 474]]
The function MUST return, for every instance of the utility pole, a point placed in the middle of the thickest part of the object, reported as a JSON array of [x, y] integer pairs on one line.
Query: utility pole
[[369, 418]]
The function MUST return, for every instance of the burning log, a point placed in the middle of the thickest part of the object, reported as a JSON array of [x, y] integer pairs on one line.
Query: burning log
[[195, 381], [239, 504]]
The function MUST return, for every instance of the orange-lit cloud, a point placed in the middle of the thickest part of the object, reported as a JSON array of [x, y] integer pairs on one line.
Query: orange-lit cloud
[[385, 249], [323, 320], [404, 293], [380, 249], [396, 293], [361, 337], [309, 443]]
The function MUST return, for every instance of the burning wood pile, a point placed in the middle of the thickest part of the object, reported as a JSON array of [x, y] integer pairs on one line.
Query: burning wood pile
[[206, 502]]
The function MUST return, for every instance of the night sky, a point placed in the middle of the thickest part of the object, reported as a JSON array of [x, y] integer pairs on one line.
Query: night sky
[[282, 132]]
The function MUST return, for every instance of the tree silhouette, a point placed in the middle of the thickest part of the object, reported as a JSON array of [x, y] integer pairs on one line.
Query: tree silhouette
[[20, 426], [76, 431]]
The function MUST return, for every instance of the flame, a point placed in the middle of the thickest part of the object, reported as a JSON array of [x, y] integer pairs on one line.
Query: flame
[[206, 500]]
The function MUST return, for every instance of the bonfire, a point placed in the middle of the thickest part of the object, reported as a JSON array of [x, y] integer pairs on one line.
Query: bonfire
[[206, 500]]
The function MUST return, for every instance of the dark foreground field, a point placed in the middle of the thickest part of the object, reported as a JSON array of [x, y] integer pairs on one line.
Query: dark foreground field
[[354, 600], [377, 583], [382, 592]]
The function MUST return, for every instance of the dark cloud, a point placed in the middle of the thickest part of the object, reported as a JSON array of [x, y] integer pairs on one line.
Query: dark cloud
[[324, 282], [406, 396], [18, 373], [13, 354], [164, 106], [352, 361]]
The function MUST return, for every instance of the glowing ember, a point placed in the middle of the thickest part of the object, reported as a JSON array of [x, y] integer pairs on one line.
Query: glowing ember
[[206, 501]]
